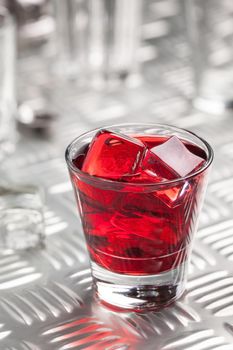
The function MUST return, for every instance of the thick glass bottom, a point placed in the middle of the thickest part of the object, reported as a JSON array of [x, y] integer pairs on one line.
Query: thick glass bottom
[[139, 293]]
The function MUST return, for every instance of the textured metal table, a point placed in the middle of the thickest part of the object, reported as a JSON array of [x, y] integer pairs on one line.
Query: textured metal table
[[46, 295]]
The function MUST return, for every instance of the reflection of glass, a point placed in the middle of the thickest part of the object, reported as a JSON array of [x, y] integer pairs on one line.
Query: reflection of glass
[[21, 217], [211, 33], [98, 39], [139, 234], [7, 83]]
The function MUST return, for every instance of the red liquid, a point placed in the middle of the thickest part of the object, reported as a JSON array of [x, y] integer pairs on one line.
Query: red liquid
[[135, 232]]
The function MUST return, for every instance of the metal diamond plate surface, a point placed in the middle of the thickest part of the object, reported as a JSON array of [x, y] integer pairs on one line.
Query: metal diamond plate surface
[[46, 295]]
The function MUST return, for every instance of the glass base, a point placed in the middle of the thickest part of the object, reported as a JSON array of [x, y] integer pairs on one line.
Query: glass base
[[139, 293]]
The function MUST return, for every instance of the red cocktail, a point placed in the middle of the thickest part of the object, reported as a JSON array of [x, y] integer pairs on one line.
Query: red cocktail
[[139, 191]]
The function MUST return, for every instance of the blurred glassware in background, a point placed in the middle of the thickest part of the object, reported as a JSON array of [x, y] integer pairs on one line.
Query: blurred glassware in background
[[35, 23], [7, 83], [21, 206], [21, 217], [210, 25], [36, 114], [98, 40]]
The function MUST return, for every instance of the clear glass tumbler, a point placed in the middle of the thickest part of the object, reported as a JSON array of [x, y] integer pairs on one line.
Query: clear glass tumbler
[[7, 83], [139, 235], [209, 24], [98, 40]]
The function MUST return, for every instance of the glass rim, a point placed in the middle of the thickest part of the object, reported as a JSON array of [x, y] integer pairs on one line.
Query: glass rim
[[101, 180]]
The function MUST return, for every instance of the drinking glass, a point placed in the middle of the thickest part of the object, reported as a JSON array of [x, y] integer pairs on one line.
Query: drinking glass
[[7, 83], [209, 24], [21, 205], [139, 235], [98, 40]]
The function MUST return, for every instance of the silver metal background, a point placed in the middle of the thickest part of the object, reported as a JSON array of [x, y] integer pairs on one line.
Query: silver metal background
[[45, 296]]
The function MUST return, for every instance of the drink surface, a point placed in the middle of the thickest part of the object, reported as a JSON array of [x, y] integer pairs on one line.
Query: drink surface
[[139, 231]]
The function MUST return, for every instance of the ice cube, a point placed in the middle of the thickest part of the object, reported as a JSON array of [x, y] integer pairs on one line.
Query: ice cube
[[98, 224], [94, 197], [112, 155], [127, 244], [21, 217], [175, 195], [141, 177], [146, 226], [21, 229], [172, 159], [155, 169], [145, 216]]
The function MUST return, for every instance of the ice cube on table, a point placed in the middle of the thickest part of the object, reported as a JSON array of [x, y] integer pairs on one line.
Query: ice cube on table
[[113, 156], [21, 217], [21, 229], [171, 159]]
